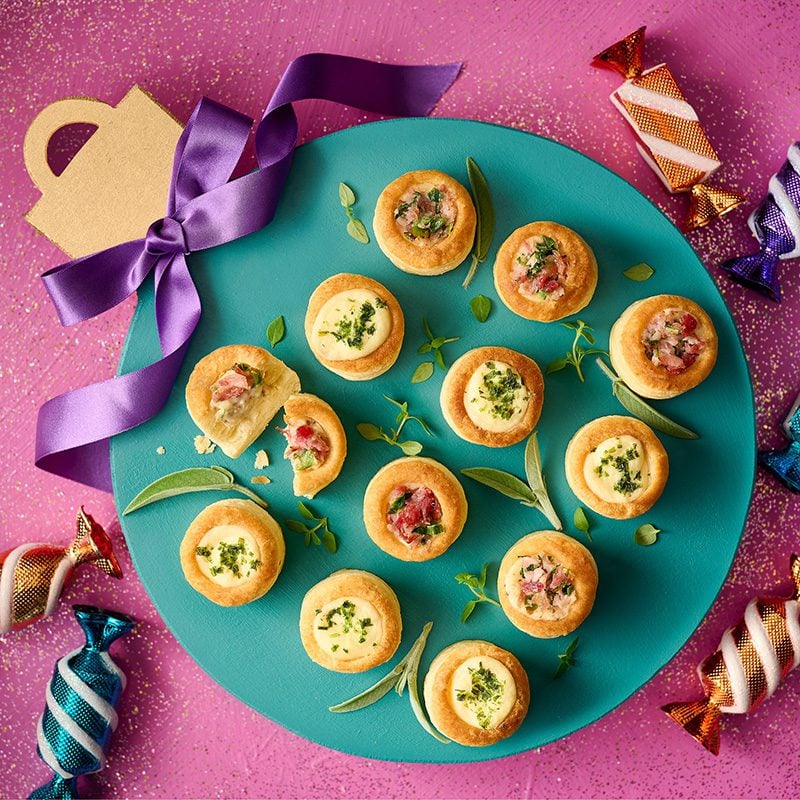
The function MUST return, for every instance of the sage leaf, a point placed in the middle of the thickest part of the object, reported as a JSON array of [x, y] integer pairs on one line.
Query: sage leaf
[[484, 212], [356, 229], [410, 448], [372, 694], [346, 195], [480, 306], [646, 534], [413, 688], [502, 482], [423, 372], [639, 272], [535, 476], [644, 411], [468, 609], [369, 431], [276, 330]]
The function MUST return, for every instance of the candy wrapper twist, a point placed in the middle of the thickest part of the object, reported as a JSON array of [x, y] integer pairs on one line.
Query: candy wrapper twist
[[752, 659], [668, 133], [80, 714], [32, 576], [786, 463], [776, 225]]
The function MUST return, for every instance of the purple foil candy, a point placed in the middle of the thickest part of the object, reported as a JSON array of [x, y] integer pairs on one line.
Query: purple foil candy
[[776, 225]]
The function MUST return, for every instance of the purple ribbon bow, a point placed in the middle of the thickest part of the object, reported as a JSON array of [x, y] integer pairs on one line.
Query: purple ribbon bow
[[204, 209], [776, 225]]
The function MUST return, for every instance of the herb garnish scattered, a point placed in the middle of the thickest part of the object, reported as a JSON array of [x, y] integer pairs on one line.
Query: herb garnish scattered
[[484, 212], [276, 330], [578, 352], [639, 272], [373, 433], [311, 531], [195, 479], [581, 521], [405, 673], [233, 557], [355, 227], [644, 411], [500, 387], [481, 306], [533, 494], [476, 584], [485, 695], [352, 330], [344, 617], [646, 534], [434, 344], [566, 659], [628, 482]]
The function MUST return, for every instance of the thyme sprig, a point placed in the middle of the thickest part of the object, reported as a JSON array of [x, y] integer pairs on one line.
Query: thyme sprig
[[476, 584], [310, 531], [373, 433], [355, 227], [434, 344], [578, 352], [566, 659]]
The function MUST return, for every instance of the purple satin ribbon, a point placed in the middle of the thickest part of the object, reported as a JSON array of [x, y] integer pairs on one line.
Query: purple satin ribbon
[[776, 223], [204, 209]]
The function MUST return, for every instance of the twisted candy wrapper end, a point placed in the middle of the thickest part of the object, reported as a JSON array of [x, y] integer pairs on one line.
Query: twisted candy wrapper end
[[709, 202], [785, 463], [625, 56], [699, 718], [756, 271], [57, 788]]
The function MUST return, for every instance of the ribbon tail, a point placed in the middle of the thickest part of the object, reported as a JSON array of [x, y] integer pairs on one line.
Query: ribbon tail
[[757, 271]]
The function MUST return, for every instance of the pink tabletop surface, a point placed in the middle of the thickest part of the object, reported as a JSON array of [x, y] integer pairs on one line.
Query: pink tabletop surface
[[526, 66]]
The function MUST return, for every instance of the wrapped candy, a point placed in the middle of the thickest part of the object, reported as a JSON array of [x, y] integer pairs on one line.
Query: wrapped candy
[[776, 225], [786, 463], [32, 576], [80, 714], [752, 659], [668, 132]]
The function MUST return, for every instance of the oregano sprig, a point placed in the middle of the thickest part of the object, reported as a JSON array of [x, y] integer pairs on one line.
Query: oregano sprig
[[355, 227], [373, 433], [567, 658], [311, 530], [578, 352], [434, 344], [476, 584]]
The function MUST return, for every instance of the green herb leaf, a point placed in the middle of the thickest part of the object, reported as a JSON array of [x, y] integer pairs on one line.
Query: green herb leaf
[[566, 659], [297, 527], [480, 306], [304, 510], [502, 482], [639, 272], [484, 211], [581, 521], [329, 541], [369, 431], [646, 534], [644, 411], [576, 355], [535, 476], [426, 328], [356, 229], [423, 372], [410, 448], [276, 330], [439, 359], [468, 609], [346, 195], [372, 694], [476, 584], [424, 348], [194, 479], [556, 366]]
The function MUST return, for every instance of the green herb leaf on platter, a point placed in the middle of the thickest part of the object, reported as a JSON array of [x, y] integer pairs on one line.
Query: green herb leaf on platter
[[639, 272], [566, 659], [294, 525], [410, 448], [646, 534], [369, 431], [484, 223], [423, 372], [434, 344], [276, 330], [581, 522], [357, 231], [311, 530], [556, 366], [476, 584], [439, 359], [535, 476], [503, 482], [468, 609], [643, 410], [577, 353], [373, 432], [346, 195], [481, 306]]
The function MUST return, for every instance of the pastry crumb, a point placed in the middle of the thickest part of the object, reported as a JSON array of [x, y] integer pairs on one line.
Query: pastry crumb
[[260, 479], [262, 459], [161, 450], [203, 444]]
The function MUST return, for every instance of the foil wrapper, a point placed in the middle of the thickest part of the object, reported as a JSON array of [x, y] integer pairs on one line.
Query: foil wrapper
[[785, 463], [668, 132], [80, 712], [33, 576], [752, 659], [776, 225]]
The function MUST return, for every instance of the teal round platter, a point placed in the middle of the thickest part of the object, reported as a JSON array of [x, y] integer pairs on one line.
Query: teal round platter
[[650, 599]]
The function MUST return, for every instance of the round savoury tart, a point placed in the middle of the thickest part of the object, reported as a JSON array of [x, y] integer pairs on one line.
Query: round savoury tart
[[547, 583], [354, 326], [234, 392], [617, 466], [414, 508], [350, 621], [316, 444], [492, 396], [425, 222], [545, 271], [476, 693], [663, 346], [233, 552]]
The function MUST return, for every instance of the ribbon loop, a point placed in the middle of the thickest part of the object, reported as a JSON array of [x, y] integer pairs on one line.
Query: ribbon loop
[[166, 237]]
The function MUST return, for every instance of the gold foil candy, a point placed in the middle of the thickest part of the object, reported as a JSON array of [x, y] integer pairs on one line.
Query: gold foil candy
[[625, 56], [709, 202]]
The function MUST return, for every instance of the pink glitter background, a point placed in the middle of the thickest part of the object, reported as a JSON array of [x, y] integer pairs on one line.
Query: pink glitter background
[[526, 66]]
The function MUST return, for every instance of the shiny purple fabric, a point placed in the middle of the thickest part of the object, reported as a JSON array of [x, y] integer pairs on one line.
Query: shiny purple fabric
[[204, 209]]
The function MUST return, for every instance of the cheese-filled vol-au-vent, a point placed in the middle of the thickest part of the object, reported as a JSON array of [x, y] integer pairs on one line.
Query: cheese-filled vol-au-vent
[[617, 466], [234, 392], [232, 552], [425, 222], [350, 621], [492, 396], [476, 693], [354, 326]]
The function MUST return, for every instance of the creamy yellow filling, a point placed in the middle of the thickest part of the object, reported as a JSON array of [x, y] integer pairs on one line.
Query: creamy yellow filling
[[348, 628], [482, 692], [617, 470], [228, 555], [351, 324], [496, 397]]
